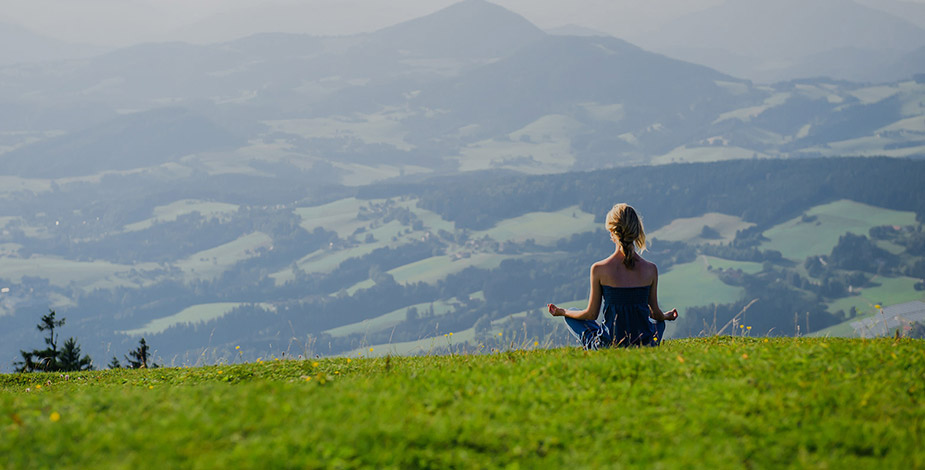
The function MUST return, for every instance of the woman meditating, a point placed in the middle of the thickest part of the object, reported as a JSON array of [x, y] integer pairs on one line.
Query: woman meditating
[[628, 286]]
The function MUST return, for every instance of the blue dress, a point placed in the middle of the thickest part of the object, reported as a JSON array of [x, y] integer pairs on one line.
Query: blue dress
[[626, 321]]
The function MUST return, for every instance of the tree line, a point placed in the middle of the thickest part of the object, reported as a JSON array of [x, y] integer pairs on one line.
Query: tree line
[[68, 358]]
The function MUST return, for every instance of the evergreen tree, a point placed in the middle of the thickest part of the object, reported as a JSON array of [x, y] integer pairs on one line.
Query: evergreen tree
[[43, 359], [138, 358], [69, 359], [114, 364]]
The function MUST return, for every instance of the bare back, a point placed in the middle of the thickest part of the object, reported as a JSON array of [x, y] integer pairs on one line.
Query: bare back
[[612, 272]]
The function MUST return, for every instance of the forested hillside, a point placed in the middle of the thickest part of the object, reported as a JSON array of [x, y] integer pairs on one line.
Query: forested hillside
[[329, 270]]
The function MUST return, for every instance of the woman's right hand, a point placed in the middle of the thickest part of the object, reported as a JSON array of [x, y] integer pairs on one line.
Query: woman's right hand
[[555, 311]]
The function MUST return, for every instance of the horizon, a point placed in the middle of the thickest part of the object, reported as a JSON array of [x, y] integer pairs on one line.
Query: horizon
[[212, 21]]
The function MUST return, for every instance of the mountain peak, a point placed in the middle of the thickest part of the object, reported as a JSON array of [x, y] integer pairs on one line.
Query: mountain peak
[[467, 29]]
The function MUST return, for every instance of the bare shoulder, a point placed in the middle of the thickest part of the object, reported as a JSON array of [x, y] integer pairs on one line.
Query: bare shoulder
[[647, 268]]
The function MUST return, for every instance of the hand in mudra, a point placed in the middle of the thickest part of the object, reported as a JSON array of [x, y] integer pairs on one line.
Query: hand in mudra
[[555, 311]]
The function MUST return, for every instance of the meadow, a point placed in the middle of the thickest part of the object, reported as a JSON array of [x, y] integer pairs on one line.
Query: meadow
[[818, 230], [716, 402]]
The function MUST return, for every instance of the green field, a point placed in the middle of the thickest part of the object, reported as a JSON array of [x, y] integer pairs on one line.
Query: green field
[[689, 229], [747, 267], [541, 147], [211, 263], [436, 268], [714, 402], [388, 320], [195, 314], [891, 291], [796, 239], [339, 216], [81, 274], [170, 212], [545, 228], [692, 284], [706, 154]]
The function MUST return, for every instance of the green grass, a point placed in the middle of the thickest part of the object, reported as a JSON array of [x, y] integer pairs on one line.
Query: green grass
[[698, 403], [796, 239]]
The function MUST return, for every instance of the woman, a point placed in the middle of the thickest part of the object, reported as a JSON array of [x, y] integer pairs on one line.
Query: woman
[[628, 286]]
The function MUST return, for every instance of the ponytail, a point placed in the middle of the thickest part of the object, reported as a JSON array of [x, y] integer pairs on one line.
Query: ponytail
[[626, 229]]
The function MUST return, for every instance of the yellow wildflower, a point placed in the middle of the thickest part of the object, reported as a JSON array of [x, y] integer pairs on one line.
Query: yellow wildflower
[[370, 349], [237, 347], [315, 364], [55, 416]]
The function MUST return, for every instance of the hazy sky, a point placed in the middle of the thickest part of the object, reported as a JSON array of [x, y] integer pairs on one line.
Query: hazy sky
[[123, 22]]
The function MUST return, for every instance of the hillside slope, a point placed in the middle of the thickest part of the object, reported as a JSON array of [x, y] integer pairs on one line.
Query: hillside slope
[[717, 402]]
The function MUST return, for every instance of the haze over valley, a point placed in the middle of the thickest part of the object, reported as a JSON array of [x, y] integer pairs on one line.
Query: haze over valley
[[380, 188]]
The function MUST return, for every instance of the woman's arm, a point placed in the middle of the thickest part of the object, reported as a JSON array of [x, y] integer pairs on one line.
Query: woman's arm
[[654, 311], [594, 302]]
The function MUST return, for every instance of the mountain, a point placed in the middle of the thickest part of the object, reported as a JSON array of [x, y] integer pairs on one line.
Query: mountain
[[560, 74], [470, 29], [135, 141], [779, 35], [20, 45], [471, 87], [913, 12]]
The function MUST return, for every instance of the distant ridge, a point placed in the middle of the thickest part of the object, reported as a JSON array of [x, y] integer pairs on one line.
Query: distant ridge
[[468, 29], [778, 35]]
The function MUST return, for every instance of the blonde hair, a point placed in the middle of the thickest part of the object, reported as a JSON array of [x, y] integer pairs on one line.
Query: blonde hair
[[625, 228]]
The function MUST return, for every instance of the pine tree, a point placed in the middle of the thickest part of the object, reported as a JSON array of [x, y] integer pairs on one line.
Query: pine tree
[[70, 360], [114, 364], [43, 359], [138, 358]]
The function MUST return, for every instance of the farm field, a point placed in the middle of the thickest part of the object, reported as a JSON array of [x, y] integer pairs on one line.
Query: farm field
[[191, 315], [891, 291], [544, 228], [751, 402], [797, 239], [63, 272], [170, 212], [436, 268], [690, 229], [543, 146], [692, 284], [211, 263], [392, 318]]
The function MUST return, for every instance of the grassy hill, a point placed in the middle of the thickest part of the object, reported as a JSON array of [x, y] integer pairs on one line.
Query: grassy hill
[[717, 402]]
